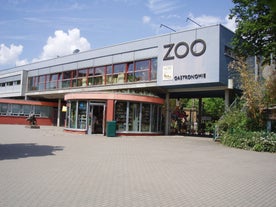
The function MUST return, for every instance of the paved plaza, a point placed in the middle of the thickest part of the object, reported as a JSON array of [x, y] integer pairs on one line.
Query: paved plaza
[[49, 168]]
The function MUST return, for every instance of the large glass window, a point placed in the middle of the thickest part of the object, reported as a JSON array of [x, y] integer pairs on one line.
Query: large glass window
[[119, 73], [82, 111], [43, 111], [71, 118], [16, 109], [130, 72], [109, 74], [53, 81], [153, 69], [138, 117], [145, 117], [41, 86], [76, 115], [136, 71], [33, 83], [99, 77], [66, 79], [27, 109], [3, 108], [134, 117], [91, 73], [121, 116], [142, 70], [82, 75], [74, 79]]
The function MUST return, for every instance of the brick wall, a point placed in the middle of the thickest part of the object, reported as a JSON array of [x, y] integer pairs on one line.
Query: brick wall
[[22, 120]]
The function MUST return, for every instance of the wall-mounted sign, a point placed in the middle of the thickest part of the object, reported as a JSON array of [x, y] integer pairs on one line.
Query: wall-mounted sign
[[168, 72], [173, 50], [190, 57]]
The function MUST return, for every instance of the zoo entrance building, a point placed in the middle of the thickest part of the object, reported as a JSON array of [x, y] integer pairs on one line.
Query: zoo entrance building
[[129, 83]]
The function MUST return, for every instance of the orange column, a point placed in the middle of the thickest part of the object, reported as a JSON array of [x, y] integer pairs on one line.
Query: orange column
[[110, 110]]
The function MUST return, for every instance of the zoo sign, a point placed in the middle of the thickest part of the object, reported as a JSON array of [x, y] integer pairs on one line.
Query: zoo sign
[[181, 49]]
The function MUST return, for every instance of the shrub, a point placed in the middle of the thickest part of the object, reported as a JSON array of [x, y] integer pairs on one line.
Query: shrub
[[257, 141], [234, 119]]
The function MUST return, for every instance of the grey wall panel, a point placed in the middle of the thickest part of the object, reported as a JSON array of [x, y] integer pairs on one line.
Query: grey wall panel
[[144, 54], [10, 78], [56, 69], [33, 73], [85, 63], [70, 66], [44, 71], [107, 60], [123, 57]]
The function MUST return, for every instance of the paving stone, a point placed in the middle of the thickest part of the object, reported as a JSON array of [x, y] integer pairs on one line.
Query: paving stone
[[48, 167]]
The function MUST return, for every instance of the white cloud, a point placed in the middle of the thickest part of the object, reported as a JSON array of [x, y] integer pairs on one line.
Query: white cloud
[[203, 20], [63, 44], [230, 23], [21, 62], [9, 55], [146, 19], [161, 6]]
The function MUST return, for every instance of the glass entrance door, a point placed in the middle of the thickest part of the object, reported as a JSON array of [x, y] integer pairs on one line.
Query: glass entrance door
[[96, 122]]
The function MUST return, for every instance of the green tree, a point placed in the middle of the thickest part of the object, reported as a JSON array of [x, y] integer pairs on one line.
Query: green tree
[[256, 27], [254, 93]]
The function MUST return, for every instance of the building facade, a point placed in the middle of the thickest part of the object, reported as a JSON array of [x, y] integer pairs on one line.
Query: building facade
[[130, 83]]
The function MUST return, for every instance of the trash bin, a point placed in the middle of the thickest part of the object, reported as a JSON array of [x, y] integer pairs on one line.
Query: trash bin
[[111, 129]]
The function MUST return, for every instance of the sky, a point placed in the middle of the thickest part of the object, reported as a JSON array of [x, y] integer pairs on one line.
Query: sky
[[36, 30]]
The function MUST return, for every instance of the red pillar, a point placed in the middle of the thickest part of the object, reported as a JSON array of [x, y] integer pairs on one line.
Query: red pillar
[[110, 110]]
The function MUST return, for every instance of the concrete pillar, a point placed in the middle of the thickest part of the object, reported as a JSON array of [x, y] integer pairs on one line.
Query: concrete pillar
[[58, 112], [226, 98], [167, 118], [199, 114]]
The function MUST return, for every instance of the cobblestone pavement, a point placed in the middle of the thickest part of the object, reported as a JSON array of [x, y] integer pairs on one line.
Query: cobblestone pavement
[[49, 168]]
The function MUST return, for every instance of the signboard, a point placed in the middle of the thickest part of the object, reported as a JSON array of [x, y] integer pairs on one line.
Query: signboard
[[189, 57]]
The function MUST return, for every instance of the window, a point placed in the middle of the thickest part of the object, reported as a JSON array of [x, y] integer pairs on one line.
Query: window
[[82, 77], [99, 76], [72, 115], [130, 72], [82, 106], [16, 109], [228, 51], [18, 82], [47, 81], [27, 109], [66, 79], [109, 74], [134, 117], [3, 108], [53, 81], [153, 75], [138, 117], [121, 116], [142, 70], [9, 83], [119, 73], [33, 83], [146, 116], [41, 83]]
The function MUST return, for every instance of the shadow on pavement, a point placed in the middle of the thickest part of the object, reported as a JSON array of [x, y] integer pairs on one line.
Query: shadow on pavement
[[24, 150]]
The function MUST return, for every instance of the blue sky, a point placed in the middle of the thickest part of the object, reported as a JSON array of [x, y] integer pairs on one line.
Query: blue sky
[[34, 30]]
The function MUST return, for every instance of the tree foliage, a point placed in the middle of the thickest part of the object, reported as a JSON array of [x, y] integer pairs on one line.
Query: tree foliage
[[254, 93], [256, 27], [270, 86]]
